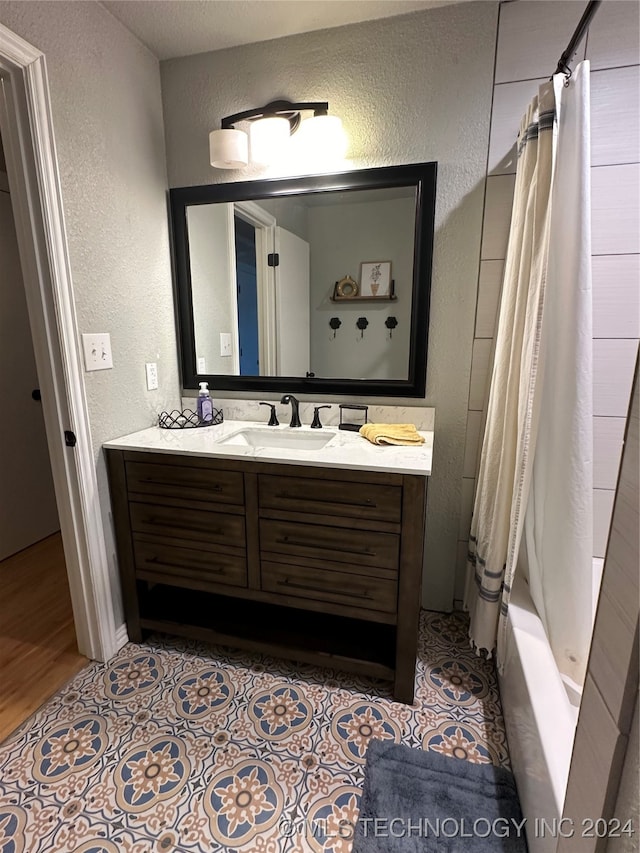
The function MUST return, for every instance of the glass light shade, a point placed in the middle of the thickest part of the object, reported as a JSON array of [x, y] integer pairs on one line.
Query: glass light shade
[[322, 139], [228, 148], [269, 138]]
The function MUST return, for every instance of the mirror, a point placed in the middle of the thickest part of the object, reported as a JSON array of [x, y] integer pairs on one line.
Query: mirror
[[310, 285]]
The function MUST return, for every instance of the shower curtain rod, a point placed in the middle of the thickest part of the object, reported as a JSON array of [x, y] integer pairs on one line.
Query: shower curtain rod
[[576, 38]]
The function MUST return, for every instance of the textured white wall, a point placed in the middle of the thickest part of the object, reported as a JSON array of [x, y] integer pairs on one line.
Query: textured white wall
[[409, 89], [107, 115]]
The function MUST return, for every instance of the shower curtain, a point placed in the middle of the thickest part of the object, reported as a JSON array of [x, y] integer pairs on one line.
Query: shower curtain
[[535, 478]]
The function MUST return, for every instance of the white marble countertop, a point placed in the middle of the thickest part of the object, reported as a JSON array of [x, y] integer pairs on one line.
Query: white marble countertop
[[344, 450]]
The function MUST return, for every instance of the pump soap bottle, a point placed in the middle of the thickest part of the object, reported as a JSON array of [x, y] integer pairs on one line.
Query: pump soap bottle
[[205, 404]]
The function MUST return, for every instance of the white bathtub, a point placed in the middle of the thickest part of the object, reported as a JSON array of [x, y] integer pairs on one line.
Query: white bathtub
[[540, 714]]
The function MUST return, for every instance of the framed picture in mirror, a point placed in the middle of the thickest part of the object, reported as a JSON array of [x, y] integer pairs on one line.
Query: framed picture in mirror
[[375, 279]]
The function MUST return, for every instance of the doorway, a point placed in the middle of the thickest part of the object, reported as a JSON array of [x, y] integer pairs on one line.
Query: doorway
[[36, 201], [38, 645], [271, 294], [29, 512]]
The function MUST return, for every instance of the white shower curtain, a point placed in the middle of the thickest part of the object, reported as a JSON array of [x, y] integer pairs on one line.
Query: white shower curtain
[[558, 538], [536, 460]]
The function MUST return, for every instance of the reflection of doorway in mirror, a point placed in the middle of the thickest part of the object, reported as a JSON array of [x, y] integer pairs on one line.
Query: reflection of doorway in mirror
[[247, 291], [263, 224]]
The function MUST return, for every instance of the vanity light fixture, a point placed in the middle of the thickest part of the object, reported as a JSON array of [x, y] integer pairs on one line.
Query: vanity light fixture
[[321, 136]]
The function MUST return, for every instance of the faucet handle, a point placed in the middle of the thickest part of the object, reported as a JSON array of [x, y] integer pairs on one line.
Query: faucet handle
[[316, 416], [273, 420]]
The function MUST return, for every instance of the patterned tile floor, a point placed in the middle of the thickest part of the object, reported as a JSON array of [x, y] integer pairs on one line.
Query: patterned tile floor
[[176, 746]]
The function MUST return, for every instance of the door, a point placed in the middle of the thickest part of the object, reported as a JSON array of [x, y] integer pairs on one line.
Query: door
[[27, 499], [247, 295], [292, 305]]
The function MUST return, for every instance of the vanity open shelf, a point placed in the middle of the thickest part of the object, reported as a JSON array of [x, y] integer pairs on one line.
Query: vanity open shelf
[[318, 565], [285, 632]]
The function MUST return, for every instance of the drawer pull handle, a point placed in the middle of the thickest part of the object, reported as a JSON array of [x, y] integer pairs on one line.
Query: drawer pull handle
[[297, 585], [367, 503], [216, 531], [157, 482], [285, 540], [217, 571]]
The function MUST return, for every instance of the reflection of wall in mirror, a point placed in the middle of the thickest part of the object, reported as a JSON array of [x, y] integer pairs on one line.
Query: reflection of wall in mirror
[[379, 229], [289, 214], [212, 273]]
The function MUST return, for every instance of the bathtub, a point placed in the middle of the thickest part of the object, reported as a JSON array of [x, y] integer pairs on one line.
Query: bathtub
[[541, 713]]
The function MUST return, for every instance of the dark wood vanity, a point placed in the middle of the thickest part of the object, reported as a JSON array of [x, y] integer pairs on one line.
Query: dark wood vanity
[[318, 565]]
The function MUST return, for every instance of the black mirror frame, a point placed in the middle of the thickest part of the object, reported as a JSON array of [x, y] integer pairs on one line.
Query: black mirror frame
[[420, 175]]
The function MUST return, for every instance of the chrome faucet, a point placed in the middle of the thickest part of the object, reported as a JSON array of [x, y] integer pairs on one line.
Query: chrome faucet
[[295, 417]]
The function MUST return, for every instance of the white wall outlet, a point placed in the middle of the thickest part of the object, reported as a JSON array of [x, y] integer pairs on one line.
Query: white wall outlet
[[225, 343], [202, 365], [152, 375], [97, 351]]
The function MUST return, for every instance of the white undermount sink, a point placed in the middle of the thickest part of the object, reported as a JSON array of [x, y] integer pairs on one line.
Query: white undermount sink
[[292, 439]]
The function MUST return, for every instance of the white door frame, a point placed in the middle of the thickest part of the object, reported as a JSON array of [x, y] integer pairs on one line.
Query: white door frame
[[233, 290], [265, 225], [30, 153]]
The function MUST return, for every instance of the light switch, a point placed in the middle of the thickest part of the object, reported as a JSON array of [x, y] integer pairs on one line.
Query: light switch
[[97, 351], [202, 365], [225, 343], [152, 375]]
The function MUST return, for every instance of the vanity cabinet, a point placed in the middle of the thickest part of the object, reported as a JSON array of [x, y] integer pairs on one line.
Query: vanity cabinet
[[318, 565]]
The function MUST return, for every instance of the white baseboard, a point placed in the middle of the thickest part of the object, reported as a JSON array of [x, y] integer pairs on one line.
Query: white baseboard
[[122, 638]]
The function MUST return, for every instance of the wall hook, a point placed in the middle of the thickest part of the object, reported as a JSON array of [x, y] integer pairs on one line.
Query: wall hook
[[391, 323], [335, 323], [362, 325]]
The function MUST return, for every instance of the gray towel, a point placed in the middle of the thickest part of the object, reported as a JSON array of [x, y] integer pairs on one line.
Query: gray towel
[[429, 803]]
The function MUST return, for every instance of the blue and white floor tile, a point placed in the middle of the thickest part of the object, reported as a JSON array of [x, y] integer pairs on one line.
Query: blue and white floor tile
[[177, 747]]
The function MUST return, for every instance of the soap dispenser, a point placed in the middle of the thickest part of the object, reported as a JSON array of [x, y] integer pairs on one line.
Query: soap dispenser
[[205, 404]]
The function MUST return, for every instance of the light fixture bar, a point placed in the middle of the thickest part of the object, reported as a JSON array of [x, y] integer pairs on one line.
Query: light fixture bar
[[284, 109], [269, 135]]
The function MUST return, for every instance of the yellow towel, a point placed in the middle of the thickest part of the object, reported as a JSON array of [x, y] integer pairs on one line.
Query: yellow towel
[[391, 434]]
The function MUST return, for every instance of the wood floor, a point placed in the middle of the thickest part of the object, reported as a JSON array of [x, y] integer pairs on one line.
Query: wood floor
[[38, 650]]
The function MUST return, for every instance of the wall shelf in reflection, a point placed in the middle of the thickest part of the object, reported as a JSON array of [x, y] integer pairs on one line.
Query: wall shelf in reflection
[[337, 297], [392, 298]]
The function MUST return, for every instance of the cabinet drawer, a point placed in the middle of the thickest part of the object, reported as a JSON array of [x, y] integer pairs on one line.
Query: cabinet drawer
[[327, 497], [339, 544], [184, 481], [155, 560], [336, 587], [192, 524]]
